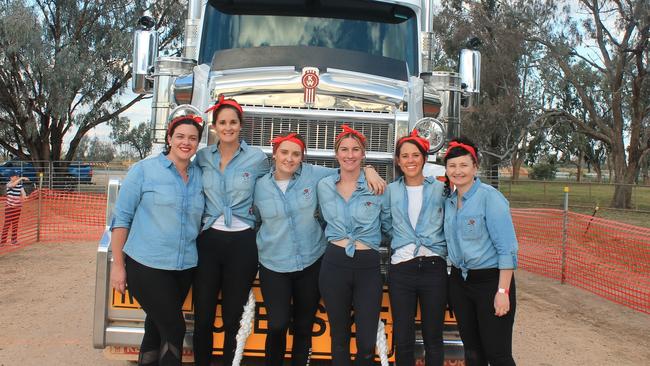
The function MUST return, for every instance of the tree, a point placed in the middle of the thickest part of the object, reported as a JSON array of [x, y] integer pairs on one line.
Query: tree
[[99, 150], [82, 149], [64, 65], [610, 44], [137, 138], [505, 123]]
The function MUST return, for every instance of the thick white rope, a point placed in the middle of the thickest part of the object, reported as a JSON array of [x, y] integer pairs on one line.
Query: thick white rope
[[382, 345], [245, 328]]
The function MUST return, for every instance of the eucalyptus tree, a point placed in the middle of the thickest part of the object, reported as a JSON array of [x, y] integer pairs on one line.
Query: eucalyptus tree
[[607, 42], [64, 67]]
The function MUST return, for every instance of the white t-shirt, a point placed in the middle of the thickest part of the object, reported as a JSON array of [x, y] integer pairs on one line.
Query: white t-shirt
[[236, 224], [405, 253], [283, 184]]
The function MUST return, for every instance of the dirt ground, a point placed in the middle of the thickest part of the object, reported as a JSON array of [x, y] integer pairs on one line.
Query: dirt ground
[[46, 309]]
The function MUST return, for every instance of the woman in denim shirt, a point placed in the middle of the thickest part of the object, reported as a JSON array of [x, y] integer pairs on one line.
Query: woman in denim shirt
[[350, 277], [226, 246], [290, 244], [483, 251], [418, 265], [154, 227]]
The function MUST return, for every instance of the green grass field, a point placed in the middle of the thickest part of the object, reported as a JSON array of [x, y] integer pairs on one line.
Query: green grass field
[[583, 198]]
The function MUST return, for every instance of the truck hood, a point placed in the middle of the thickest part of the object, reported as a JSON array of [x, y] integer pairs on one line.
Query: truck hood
[[272, 76]]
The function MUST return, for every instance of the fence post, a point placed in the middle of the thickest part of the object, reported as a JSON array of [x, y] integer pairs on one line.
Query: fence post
[[565, 233], [40, 200]]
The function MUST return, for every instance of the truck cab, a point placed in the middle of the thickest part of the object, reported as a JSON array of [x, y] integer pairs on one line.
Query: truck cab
[[303, 66]]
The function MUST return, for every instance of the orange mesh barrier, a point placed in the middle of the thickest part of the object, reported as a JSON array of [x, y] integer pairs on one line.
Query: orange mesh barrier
[[50, 215], [608, 258]]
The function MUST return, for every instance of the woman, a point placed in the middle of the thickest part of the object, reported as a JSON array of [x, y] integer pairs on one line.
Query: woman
[[227, 252], [290, 244], [154, 227], [418, 269], [350, 277], [483, 251]]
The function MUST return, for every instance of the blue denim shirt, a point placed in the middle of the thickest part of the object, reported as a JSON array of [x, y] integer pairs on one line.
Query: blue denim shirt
[[231, 192], [361, 218], [162, 213], [290, 237], [480, 235], [428, 231]]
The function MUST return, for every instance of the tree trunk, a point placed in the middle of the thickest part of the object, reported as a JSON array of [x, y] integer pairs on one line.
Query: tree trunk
[[516, 166]]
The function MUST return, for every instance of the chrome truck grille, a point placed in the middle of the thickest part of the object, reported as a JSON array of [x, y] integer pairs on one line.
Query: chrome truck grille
[[320, 132]]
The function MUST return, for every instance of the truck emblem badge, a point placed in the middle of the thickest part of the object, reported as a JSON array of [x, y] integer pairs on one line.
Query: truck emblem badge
[[310, 82]]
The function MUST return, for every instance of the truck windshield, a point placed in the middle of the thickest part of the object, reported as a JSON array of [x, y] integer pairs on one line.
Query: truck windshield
[[395, 37]]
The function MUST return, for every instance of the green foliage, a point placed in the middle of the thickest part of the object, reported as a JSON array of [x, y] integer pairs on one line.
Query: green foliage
[[542, 171], [99, 150], [138, 138], [64, 65]]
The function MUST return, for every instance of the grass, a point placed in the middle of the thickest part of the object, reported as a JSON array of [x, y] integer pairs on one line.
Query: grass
[[583, 198]]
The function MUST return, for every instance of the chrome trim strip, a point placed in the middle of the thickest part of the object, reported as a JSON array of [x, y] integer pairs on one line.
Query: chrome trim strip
[[319, 113]]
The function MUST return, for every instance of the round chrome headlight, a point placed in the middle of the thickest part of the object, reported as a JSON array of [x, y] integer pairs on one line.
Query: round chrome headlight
[[432, 130], [184, 110]]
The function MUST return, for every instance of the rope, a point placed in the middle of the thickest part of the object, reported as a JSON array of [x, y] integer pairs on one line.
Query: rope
[[382, 347], [245, 328]]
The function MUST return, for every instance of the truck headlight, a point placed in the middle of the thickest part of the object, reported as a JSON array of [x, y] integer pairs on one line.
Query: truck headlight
[[431, 129]]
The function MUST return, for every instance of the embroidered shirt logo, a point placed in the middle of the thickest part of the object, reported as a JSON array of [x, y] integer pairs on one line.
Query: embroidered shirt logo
[[246, 176], [306, 193]]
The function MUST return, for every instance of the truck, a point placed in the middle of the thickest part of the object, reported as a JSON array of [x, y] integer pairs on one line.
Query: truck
[[75, 172], [307, 66]]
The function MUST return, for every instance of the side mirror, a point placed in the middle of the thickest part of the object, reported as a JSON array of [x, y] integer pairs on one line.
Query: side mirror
[[469, 68], [145, 50]]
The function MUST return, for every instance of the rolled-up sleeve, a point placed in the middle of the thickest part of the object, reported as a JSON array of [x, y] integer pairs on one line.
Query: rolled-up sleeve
[[128, 198], [501, 230]]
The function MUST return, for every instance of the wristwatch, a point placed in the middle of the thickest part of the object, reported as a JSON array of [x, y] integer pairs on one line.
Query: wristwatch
[[503, 291]]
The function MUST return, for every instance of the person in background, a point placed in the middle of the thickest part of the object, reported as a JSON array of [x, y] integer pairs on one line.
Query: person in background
[[290, 244], [418, 263], [13, 207], [155, 223], [227, 251], [350, 277], [483, 252]]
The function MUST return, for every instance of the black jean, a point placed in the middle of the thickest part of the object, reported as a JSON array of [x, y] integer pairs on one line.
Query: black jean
[[161, 294], [486, 337], [351, 284], [290, 297], [423, 280], [227, 266]]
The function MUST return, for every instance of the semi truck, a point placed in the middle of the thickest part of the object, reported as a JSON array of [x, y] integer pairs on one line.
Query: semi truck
[[306, 66]]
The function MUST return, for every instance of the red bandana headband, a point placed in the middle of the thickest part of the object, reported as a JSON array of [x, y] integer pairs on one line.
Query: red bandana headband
[[190, 117], [422, 142], [347, 130], [290, 137], [468, 148], [222, 102]]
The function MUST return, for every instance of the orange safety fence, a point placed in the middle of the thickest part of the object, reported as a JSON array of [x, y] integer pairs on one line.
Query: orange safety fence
[[50, 215], [605, 257], [608, 258]]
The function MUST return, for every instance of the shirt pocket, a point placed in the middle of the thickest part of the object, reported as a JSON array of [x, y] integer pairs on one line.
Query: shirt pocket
[[306, 198], [471, 227], [367, 210], [164, 195], [243, 183], [436, 217], [267, 209], [197, 200]]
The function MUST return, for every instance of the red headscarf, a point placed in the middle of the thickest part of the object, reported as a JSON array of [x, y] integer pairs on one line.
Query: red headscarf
[[455, 144], [347, 130], [422, 142], [290, 137], [221, 101], [190, 117]]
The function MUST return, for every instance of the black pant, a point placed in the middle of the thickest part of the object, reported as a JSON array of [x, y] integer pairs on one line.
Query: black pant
[[486, 337], [423, 280], [351, 284], [227, 265], [12, 216], [279, 289], [161, 294]]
